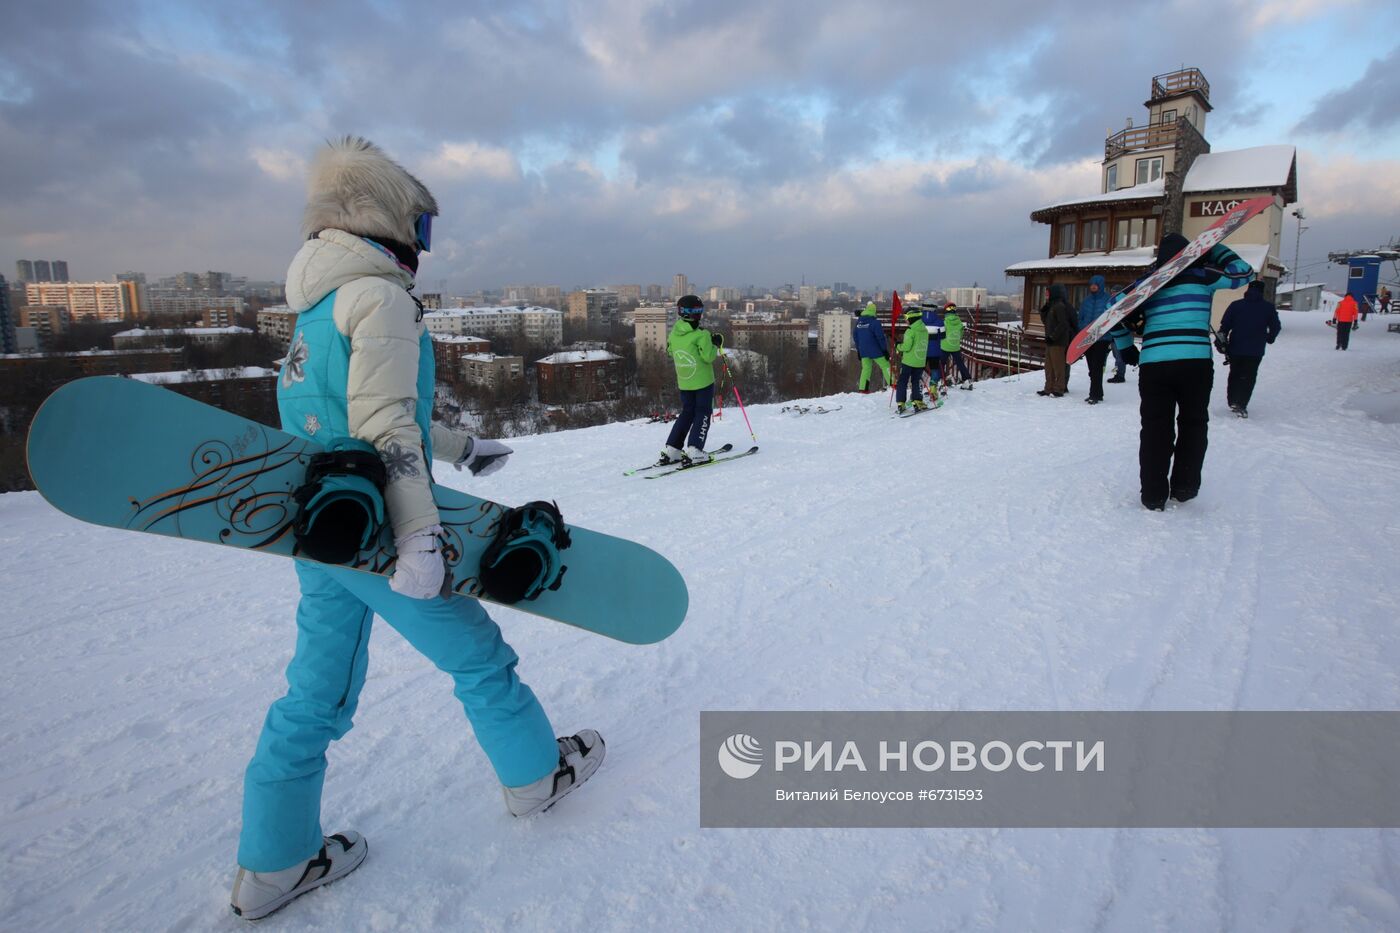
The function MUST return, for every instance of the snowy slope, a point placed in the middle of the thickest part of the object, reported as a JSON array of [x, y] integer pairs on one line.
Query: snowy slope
[[991, 555]]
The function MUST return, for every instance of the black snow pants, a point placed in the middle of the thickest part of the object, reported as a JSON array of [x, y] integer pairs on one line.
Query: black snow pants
[[1175, 410], [1240, 386]]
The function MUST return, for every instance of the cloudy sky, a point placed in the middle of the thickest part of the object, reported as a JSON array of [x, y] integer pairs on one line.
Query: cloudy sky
[[738, 141]]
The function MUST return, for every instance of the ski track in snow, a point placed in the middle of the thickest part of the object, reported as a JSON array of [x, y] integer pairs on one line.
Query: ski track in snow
[[990, 555]]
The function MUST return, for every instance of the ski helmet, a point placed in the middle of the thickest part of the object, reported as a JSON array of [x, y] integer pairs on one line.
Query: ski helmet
[[690, 307]]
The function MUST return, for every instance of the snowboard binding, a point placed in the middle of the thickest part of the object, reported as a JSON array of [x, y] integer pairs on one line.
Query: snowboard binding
[[340, 505], [522, 561]]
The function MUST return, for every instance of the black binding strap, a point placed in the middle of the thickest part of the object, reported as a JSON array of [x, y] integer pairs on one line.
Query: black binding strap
[[332, 531], [522, 561]]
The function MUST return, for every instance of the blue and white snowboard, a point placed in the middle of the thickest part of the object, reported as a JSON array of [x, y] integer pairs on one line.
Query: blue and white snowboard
[[125, 454]]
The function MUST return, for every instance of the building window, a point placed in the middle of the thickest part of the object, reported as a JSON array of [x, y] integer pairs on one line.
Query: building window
[[1149, 170], [1095, 235], [1112, 183], [1358, 272], [1135, 232], [1066, 238], [1168, 116], [1038, 296]]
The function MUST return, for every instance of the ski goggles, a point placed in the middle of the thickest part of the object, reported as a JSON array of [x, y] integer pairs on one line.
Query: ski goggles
[[423, 232]]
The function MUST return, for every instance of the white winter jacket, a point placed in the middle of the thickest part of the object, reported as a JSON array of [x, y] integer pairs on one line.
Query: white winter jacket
[[374, 312]]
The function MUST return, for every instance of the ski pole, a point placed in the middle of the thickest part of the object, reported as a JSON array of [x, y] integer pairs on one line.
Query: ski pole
[[733, 385]]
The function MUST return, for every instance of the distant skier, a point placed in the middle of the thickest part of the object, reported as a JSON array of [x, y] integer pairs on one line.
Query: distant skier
[[1176, 372], [913, 350], [951, 345], [1345, 319], [693, 351], [361, 367], [1059, 318], [1383, 296], [1249, 324], [1090, 310], [872, 346]]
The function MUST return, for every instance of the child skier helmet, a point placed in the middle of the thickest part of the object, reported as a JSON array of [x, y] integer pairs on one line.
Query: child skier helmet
[[690, 307]]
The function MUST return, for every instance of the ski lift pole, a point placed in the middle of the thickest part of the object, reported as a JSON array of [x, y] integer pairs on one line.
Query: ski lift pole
[[733, 385]]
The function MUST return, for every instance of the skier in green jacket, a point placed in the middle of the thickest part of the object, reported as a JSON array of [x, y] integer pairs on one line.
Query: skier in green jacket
[[952, 346], [913, 351], [693, 350]]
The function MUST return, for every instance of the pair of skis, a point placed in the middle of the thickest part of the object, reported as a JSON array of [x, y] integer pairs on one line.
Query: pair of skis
[[718, 455], [808, 409], [912, 411]]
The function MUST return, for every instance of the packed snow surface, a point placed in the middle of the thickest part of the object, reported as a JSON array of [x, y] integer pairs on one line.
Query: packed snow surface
[[989, 555]]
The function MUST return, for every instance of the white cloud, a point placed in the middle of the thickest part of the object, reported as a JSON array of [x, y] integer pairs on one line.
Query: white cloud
[[281, 164], [470, 159]]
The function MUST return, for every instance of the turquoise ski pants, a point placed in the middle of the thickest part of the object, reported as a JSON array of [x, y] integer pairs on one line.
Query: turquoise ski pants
[[282, 786]]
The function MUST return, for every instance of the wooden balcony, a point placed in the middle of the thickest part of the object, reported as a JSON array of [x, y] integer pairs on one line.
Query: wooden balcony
[[1153, 136], [1180, 82]]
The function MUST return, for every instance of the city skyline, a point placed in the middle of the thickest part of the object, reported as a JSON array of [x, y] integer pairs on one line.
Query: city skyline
[[738, 144]]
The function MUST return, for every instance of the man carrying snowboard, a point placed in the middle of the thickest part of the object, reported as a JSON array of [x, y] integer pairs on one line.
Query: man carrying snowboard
[[693, 350], [1177, 372], [360, 368]]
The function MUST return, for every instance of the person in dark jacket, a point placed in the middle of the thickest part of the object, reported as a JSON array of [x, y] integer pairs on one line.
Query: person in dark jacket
[[1059, 318], [1176, 370], [1090, 310], [933, 365], [1249, 324], [871, 346]]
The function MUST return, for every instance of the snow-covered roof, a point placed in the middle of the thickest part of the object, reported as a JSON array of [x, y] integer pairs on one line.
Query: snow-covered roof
[[205, 375], [1254, 254], [188, 331], [510, 309], [579, 356], [1256, 167], [1289, 289], [453, 338], [1118, 259], [1146, 190]]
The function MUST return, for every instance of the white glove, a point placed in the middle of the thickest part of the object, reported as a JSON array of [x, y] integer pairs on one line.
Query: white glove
[[484, 457], [420, 570]]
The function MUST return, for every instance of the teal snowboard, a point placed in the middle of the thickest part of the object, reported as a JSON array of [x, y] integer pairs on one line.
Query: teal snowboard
[[125, 454]]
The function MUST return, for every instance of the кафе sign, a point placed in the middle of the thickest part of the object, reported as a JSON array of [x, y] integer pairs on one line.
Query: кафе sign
[[1214, 208]]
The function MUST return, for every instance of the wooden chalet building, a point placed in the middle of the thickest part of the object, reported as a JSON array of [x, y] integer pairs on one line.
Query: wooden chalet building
[[1156, 179]]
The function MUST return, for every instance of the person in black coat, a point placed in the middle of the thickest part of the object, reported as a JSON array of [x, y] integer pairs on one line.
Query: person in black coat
[[1248, 326]]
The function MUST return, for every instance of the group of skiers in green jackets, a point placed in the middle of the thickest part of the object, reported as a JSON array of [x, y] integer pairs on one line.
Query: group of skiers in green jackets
[[932, 336]]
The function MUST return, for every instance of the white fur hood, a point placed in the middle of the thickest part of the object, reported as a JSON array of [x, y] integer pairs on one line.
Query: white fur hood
[[332, 259]]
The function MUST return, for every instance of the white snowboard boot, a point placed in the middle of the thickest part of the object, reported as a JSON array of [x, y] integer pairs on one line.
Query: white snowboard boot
[[671, 455], [696, 455], [259, 893], [579, 756]]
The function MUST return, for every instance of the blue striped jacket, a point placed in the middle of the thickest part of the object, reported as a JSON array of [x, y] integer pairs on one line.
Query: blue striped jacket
[[1176, 320]]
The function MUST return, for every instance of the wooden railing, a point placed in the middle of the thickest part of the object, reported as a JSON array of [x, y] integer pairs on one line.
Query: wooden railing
[[994, 351], [1175, 82], [1152, 136]]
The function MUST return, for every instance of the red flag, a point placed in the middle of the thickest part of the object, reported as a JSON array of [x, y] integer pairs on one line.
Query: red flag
[[895, 310]]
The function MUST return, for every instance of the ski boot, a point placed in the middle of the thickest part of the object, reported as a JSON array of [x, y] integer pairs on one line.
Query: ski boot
[[579, 756], [1118, 377], [696, 455], [670, 455], [920, 405], [901, 408], [259, 893]]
